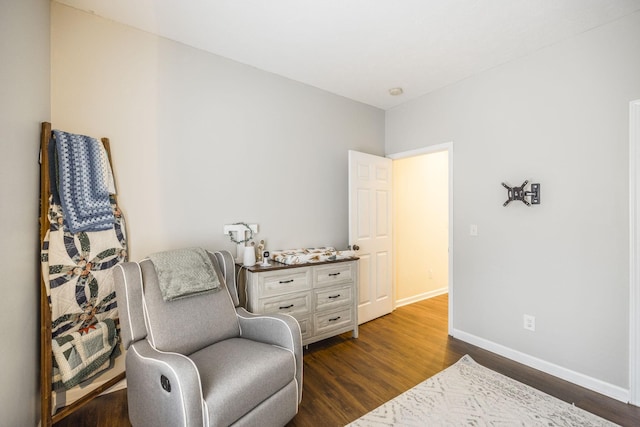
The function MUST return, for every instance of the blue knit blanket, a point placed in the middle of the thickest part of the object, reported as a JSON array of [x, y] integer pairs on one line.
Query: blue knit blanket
[[81, 171]]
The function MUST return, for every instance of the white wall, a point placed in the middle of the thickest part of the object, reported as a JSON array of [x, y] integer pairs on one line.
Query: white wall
[[24, 103], [420, 226], [200, 141], [560, 118]]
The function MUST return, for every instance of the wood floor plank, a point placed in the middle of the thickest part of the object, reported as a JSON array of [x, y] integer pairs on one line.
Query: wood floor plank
[[345, 378]]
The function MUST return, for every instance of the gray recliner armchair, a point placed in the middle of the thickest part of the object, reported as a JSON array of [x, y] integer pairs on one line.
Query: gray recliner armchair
[[202, 360]]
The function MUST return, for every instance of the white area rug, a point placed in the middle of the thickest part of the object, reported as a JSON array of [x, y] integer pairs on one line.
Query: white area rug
[[469, 394]]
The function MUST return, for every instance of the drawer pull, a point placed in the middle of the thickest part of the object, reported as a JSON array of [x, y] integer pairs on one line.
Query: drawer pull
[[334, 274], [333, 319], [286, 281], [334, 296], [286, 306]]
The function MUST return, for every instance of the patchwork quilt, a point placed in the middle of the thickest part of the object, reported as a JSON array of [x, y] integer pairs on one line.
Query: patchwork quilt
[[77, 268], [78, 355]]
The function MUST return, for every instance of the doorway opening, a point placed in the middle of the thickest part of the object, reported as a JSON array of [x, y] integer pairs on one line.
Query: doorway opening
[[423, 223]]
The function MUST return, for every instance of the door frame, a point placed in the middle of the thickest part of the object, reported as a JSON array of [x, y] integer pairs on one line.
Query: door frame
[[448, 147], [634, 252]]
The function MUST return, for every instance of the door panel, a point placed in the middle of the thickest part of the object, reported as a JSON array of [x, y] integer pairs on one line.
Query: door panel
[[370, 201], [383, 209]]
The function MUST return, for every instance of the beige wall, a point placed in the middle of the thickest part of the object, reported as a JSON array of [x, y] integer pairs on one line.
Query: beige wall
[[24, 104], [559, 117], [200, 141], [420, 189]]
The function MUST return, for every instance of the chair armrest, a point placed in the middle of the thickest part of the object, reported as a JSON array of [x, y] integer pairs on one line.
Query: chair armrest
[[178, 403], [281, 330]]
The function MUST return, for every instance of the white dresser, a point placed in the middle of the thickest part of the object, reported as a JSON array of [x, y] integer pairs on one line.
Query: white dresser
[[323, 297]]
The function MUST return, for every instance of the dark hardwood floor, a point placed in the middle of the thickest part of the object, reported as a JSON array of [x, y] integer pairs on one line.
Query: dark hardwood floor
[[345, 378]]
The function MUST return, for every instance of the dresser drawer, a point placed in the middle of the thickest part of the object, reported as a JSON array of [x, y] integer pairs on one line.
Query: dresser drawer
[[334, 320], [283, 281], [294, 304], [333, 274], [330, 298]]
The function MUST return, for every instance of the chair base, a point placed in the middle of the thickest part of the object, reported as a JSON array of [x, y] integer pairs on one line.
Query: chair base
[[278, 410]]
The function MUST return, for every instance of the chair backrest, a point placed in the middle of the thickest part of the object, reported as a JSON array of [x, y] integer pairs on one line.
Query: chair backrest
[[182, 326], [228, 269]]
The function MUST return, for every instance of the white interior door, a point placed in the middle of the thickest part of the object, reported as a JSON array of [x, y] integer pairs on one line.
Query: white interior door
[[370, 203]]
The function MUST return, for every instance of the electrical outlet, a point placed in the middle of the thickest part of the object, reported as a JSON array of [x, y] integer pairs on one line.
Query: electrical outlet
[[529, 322]]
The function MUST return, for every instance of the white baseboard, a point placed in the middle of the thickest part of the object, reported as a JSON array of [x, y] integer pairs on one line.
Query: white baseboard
[[420, 297], [120, 385], [610, 390]]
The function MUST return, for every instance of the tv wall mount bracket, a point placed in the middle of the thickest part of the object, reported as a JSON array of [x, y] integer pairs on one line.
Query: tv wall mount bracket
[[519, 193]]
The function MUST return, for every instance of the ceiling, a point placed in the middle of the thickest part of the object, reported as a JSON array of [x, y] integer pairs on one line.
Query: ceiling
[[360, 49]]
